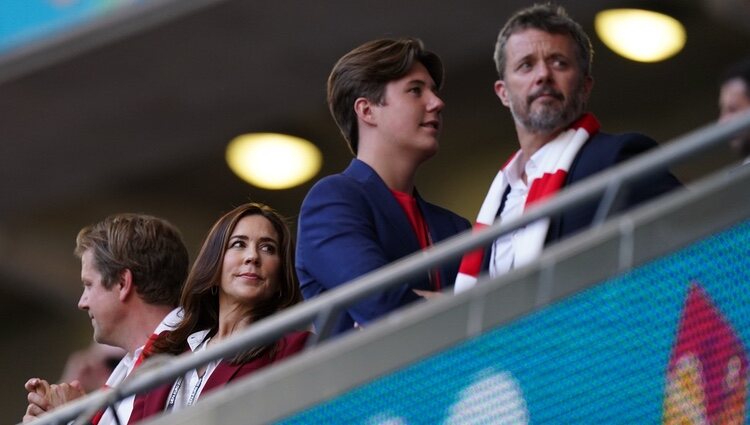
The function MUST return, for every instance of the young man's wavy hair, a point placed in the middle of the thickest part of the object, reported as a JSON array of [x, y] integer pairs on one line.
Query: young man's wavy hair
[[366, 70]]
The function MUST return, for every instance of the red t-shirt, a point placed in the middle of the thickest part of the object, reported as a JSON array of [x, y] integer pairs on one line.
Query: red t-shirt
[[409, 205]]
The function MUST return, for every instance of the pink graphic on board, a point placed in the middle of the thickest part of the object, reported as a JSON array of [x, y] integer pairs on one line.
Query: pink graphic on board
[[707, 374]]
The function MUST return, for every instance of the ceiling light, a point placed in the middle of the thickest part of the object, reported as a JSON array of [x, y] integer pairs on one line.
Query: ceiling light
[[640, 35], [273, 161]]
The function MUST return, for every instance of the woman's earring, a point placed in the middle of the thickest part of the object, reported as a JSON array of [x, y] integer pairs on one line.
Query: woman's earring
[[214, 290]]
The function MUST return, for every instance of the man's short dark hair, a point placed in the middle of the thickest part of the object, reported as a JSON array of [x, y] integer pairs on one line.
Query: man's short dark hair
[[549, 18], [739, 70], [151, 248], [365, 71]]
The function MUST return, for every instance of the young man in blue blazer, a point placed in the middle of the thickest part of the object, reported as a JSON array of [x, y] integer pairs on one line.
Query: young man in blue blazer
[[384, 98]]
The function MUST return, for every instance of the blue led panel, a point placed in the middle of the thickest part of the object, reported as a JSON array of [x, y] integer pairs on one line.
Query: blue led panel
[[25, 21], [665, 343]]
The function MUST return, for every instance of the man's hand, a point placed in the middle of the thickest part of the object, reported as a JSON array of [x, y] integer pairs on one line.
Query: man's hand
[[59, 394], [429, 295], [44, 397]]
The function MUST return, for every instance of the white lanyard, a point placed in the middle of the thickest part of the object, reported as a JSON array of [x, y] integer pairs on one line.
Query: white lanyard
[[176, 390], [180, 380]]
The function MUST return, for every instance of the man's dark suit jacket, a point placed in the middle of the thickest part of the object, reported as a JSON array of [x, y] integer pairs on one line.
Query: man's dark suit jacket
[[350, 224], [600, 152]]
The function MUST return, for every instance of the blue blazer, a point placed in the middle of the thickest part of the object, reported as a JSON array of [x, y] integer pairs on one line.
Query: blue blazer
[[349, 225]]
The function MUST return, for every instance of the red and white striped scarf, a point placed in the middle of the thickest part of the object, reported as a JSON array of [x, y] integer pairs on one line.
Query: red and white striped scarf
[[558, 157]]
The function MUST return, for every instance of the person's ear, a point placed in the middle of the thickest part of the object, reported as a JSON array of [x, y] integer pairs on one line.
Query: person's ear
[[125, 284], [364, 109], [501, 92], [588, 85]]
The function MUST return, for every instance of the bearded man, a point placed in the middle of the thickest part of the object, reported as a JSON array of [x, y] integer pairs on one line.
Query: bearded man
[[543, 60]]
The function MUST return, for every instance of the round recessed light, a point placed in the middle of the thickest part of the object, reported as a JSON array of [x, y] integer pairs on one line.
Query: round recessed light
[[640, 35], [273, 161]]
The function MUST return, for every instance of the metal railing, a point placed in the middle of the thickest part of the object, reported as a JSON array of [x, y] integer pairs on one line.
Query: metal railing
[[158, 371]]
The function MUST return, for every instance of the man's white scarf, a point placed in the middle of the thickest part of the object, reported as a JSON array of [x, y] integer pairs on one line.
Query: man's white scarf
[[559, 155]]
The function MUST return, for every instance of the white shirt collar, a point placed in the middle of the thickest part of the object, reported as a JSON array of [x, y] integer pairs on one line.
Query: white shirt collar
[[170, 321], [197, 338], [532, 168]]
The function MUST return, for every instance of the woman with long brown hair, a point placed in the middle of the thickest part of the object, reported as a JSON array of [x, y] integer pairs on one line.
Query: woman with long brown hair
[[243, 273]]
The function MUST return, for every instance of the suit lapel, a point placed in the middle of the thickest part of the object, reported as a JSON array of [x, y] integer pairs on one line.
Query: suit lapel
[[226, 372], [155, 401], [150, 403], [223, 373], [384, 201]]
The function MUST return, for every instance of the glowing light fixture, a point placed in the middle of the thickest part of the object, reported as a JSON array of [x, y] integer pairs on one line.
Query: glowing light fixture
[[273, 161], [640, 35]]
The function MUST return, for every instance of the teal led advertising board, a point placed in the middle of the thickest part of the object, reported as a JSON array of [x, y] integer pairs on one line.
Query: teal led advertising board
[[27, 21], [664, 343]]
